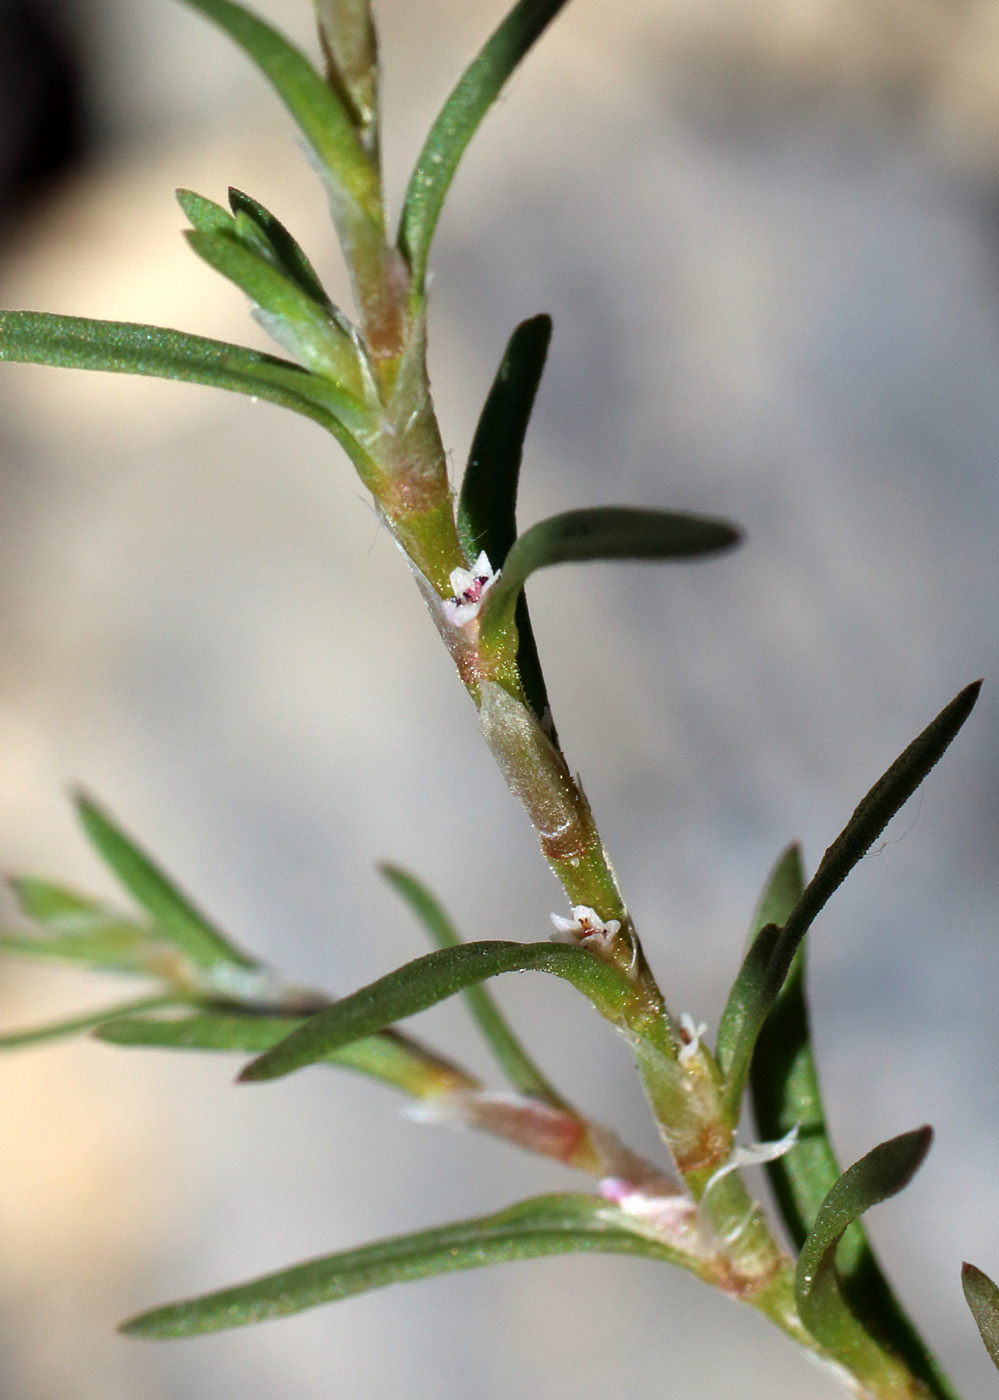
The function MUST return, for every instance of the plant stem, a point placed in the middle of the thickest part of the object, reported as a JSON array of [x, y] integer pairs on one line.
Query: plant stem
[[680, 1076]]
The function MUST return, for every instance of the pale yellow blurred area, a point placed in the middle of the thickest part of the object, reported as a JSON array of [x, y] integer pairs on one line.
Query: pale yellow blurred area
[[767, 232]]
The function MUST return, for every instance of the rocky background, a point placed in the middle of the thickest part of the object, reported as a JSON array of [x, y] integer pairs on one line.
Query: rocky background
[[767, 232]]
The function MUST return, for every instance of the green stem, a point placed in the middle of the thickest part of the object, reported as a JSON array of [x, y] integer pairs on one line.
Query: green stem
[[681, 1078]]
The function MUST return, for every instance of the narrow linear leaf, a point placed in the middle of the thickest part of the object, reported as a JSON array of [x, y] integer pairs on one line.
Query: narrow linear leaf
[[174, 914], [122, 347], [785, 1090], [464, 109], [876, 1177], [870, 818], [429, 980], [982, 1297], [768, 962], [547, 1225], [487, 505], [737, 1029], [76, 928], [293, 319], [106, 943], [260, 231], [57, 1030], [603, 532], [288, 255], [315, 107], [389, 1057], [882, 1173], [53, 904], [510, 1055]]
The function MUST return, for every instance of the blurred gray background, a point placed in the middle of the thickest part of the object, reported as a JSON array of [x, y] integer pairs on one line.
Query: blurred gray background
[[768, 232]]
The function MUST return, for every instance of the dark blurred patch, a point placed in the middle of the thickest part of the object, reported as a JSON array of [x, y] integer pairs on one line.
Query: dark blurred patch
[[42, 118]]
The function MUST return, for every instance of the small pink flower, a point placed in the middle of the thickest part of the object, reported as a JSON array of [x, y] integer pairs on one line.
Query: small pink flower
[[470, 587]]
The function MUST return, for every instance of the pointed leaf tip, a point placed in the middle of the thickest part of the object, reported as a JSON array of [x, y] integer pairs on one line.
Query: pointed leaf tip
[[882, 1173], [431, 979], [175, 917], [513, 1059], [487, 504], [870, 817], [457, 121], [982, 1297], [824, 1310], [316, 108], [546, 1225], [604, 533]]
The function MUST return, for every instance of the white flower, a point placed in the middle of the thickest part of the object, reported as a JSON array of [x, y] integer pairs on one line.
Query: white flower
[[585, 928], [692, 1037], [470, 587]]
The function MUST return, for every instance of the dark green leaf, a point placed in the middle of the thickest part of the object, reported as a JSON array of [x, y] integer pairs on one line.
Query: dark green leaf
[[431, 979], [822, 1307], [173, 913], [287, 253], [870, 818], [605, 532], [547, 1225], [738, 1028], [316, 108], [15, 1040], [121, 347], [786, 1093], [983, 1299], [487, 506], [389, 1057], [510, 1055], [295, 321], [464, 109]]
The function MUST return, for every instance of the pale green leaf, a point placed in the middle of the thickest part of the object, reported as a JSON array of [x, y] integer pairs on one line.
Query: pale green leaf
[[298, 324], [47, 903], [547, 1225], [57, 1030], [122, 347], [205, 214], [106, 943], [172, 912], [394, 1059], [432, 979], [510, 1055]]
